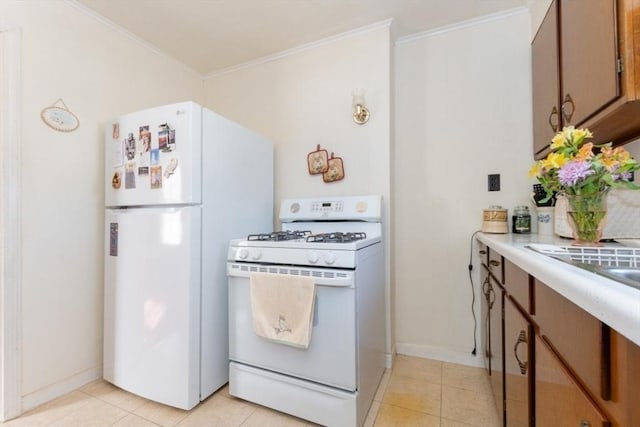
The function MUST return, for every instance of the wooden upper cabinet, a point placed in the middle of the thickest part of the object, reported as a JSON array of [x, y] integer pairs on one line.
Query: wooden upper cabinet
[[589, 58], [596, 73], [545, 75]]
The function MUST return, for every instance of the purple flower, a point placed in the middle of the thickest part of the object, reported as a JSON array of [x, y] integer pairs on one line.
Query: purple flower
[[625, 176], [573, 172]]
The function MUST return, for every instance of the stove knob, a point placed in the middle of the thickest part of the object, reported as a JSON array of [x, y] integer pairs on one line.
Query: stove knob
[[243, 253], [330, 258], [312, 256], [256, 255]]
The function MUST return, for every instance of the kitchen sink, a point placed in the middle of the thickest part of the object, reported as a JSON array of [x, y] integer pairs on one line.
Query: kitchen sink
[[615, 263], [628, 276]]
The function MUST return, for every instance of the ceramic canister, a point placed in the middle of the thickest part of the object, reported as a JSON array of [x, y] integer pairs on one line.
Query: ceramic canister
[[545, 218], [495, 220]]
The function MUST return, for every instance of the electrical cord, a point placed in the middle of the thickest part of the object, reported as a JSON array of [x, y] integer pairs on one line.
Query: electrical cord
[[473, 293]]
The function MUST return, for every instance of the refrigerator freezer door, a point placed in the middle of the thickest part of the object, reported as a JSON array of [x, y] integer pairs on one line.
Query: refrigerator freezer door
[[153, 157], [152, 303]]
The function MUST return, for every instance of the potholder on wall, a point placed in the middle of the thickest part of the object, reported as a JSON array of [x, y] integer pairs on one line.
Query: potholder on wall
[[318, 161], [335, 170]]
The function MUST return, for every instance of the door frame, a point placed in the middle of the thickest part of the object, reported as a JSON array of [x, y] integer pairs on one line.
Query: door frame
[[10, 226]]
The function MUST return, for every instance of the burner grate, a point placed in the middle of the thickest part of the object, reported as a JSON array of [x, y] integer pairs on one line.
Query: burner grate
[[279, 236], [336, 237]]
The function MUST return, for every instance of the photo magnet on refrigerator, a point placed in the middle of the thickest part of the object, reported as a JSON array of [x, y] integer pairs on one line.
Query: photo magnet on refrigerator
[[156, 177], [145, 139], [130, 175], [130, 147], [116, 180], [113, 239], [171, 167]]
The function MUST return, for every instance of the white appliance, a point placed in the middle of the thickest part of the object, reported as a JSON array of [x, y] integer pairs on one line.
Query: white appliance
[[338, 242], [181, 181]]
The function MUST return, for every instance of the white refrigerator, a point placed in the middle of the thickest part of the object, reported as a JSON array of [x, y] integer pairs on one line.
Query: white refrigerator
[[181, 181]]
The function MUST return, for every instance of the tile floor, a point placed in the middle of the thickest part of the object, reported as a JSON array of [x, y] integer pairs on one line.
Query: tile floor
[[417, 392]]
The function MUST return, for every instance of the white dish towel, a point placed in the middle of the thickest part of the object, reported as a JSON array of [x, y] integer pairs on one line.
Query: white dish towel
[[282, 308]]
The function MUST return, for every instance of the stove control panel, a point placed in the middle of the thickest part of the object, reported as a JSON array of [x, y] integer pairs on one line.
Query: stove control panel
[[292, 256], [352, 208], [327, 207]]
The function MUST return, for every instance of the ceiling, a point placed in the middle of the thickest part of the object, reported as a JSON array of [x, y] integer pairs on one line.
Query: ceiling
[[212, 35]]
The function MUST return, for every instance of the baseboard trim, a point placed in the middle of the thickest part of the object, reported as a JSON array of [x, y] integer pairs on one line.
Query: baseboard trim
[[440, 353], [61, 388]]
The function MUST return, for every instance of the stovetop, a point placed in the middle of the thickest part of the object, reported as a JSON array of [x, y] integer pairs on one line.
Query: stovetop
[[332, 249], [323, 232], [308, 236], [278, 236]]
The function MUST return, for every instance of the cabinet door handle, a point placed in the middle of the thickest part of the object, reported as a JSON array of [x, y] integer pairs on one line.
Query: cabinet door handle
[[554, 126], [522, 338], [494, 263], [566, 115], [485, 291], [489, 295], [483, 252]]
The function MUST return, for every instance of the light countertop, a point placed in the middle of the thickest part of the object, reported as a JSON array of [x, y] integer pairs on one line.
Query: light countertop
[[613, 303]]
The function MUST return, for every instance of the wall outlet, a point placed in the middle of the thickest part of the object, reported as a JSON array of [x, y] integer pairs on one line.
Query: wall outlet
[[494, 182]]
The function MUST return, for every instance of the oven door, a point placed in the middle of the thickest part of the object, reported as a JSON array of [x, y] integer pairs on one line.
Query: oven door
[[331, 356]]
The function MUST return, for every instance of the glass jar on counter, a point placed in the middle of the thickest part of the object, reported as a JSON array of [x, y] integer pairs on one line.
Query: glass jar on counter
[[521, 220]]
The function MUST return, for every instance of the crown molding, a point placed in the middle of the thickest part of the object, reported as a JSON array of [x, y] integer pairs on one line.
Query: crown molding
[[139, 40], [308, 46], [463, 24]]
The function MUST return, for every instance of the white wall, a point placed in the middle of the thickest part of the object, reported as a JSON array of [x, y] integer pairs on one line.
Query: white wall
[[463, 111], [99, 72], [303, 98]]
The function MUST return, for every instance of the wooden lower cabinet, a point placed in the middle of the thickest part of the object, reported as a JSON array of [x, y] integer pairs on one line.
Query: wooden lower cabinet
[[581, 339], [517, 357], [496, 345], [551, 363], [559, 399]]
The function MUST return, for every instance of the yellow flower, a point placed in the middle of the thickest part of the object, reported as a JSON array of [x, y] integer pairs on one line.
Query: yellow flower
[[535, 170], [554, 161], [557, 141], [580, 134]]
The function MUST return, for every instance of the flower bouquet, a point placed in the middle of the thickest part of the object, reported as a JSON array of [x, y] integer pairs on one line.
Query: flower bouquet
[[584, 173]]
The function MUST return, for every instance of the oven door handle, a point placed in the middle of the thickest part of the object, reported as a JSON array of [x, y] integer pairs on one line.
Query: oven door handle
[[329, 277]]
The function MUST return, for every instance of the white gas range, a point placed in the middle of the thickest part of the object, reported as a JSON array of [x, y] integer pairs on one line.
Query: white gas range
[[337, 241]]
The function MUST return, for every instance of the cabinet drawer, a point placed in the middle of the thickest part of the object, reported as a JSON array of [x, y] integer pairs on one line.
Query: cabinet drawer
[[580, 339], [496, 265], [516, 282], [560, 401]]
